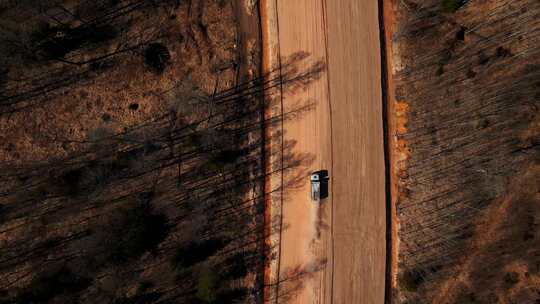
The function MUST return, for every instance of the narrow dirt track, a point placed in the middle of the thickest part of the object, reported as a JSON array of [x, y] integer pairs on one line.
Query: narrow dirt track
[[335, 252]]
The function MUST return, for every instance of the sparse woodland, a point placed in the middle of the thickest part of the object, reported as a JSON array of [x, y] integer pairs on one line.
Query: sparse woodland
[[131, 158], [468, 83], [132, 164]]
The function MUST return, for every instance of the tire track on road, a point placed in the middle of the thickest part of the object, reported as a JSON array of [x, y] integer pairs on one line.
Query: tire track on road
[[325, 18], [347, 32]]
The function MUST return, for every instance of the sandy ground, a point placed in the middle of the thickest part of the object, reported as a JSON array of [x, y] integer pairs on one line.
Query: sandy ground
[[334, 252], [396, 123]]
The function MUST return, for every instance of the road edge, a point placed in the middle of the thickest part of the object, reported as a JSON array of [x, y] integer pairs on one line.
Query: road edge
[[273, 148], [395, 157]]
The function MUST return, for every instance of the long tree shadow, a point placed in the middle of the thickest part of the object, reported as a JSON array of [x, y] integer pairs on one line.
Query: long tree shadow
[[169, 210], [51, 47]]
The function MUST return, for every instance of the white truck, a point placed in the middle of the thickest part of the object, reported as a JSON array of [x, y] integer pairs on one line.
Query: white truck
[[319, 185]]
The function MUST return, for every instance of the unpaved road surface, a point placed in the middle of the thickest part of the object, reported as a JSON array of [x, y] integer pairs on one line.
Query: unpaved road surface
[[334, 252]]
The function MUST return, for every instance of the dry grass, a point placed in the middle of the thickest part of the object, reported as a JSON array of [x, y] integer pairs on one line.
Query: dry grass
[[102, 179], [467, 203], [201, 39]]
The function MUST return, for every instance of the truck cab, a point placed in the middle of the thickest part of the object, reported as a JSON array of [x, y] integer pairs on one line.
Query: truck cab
[[319, 185]]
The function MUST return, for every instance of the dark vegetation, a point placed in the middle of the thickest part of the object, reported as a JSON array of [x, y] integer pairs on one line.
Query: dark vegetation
[[48, 46], [410, 280], [48, 285], [469, 205], [452, 5], [157, 57], [55, 42]]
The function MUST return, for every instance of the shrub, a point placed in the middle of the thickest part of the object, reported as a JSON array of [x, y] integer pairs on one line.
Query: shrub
[[466, 297], [195, 252], [229, 156], [3, 78], [503, 52], [133, 233], [233, 296], [81, 182], [224, 158], [207, 285], [58, 41], [51, 284], [460, 34], [100, 134], [145, 298], [235, 267], [69, 183], [4, 296], [157, 57], [410, 280], [511, 278], [452, 5]]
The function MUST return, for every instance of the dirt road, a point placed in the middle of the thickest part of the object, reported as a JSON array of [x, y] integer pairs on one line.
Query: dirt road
[[334, 252]]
